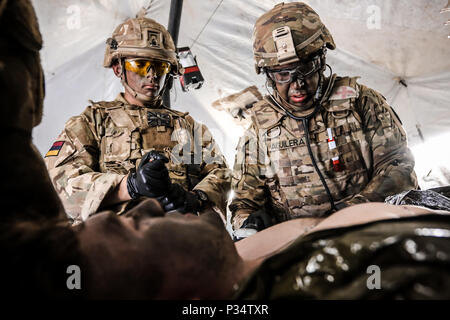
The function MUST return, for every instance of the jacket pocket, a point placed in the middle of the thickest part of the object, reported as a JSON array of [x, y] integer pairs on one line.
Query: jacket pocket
[[116, 144]]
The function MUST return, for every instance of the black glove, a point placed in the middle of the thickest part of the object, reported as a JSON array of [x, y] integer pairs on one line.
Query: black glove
[[151, 178], [181, 200], [255, 222], [258, 220]]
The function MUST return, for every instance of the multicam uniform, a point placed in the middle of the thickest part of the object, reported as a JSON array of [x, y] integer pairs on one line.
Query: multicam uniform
[[358, 143], [98, 148]]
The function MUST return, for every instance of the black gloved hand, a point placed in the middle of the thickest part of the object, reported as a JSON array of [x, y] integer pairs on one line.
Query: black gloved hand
[[258, 220], [181, 200], [151, 178]]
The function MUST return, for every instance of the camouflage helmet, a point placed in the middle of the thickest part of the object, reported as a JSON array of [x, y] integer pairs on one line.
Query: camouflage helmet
[[287, 33], [142, 38]]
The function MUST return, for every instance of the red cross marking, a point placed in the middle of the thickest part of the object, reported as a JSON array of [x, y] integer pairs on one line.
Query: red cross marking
[[345, 92]]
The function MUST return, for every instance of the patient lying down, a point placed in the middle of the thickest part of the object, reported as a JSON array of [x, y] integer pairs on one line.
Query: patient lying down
[[147, 254], [270, 241]]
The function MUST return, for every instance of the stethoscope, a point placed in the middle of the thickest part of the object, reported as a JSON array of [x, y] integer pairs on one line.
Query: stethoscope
[[305, 120]]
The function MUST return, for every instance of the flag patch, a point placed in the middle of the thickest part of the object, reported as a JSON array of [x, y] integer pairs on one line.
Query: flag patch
[[54, 150]]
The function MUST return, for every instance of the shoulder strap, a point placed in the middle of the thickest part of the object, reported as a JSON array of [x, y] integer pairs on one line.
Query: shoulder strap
[[99, 115], [343, 98], [264, 115]]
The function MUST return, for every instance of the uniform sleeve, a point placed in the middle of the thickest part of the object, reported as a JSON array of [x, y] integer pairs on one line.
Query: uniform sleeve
[[248, 179], [390, 161], [216, 176], [73, 165]]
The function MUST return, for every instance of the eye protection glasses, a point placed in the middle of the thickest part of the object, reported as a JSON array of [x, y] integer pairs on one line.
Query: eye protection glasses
[[301, 71], [142, 66]]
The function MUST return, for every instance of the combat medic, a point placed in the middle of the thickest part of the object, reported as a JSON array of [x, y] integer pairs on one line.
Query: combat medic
[[115, 153], [317, 143]]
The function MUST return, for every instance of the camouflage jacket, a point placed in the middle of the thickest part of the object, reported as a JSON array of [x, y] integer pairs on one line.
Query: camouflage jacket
[[97, 149], [356, 138]]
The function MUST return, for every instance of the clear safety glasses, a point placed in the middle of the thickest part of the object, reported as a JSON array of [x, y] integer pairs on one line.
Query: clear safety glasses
[[301, 71], [142, 66]]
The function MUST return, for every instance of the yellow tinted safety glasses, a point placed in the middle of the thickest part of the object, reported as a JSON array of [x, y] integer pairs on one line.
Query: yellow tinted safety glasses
[[143, 66]]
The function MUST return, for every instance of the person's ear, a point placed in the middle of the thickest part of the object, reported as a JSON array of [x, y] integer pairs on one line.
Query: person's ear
[[117, 68]]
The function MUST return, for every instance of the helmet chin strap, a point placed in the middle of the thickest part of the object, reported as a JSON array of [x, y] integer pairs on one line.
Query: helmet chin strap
[[155, 101]]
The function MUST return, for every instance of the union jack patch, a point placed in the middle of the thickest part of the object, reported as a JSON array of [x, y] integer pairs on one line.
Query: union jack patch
[[54, 150]]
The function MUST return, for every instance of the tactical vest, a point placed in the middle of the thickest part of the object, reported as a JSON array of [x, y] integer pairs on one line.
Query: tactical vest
[[338, 144], [127, 132]]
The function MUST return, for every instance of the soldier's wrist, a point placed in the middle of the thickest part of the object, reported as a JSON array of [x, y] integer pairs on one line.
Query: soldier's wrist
[[118, 194], [239, 216], [123, 192]]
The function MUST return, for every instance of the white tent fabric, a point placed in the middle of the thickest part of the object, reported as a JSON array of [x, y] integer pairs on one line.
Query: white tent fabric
[[383, 41]]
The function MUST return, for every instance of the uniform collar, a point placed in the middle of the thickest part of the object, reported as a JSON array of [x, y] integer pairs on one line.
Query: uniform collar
[[121, 98]]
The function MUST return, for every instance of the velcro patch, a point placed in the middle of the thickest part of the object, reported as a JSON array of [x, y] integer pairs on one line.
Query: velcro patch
[[54, 150], [343, 92], [157, 119]]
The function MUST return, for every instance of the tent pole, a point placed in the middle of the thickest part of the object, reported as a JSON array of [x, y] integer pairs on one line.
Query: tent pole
[[174, 27]]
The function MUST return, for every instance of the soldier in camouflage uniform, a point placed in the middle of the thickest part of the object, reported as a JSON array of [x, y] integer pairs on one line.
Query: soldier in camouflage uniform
[[317, 144], [96, 160]]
